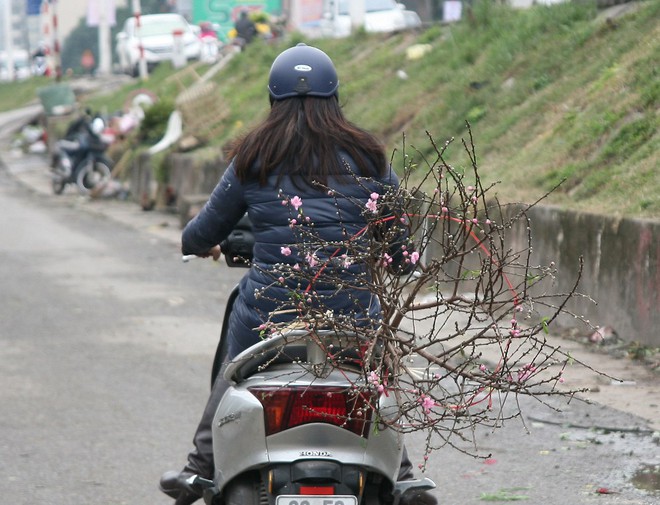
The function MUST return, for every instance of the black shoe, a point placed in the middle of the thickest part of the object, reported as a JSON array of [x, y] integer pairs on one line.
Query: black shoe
[[177, 485], [418, 498]]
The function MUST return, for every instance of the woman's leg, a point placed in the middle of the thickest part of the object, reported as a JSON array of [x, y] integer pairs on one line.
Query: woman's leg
[[200, 459]]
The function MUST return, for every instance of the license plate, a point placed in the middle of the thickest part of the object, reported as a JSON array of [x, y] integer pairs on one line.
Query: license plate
[[334, 499]]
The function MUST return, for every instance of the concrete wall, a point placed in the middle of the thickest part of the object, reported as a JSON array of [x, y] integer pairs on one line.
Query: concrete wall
[[621, 268], [191, 178], [621, 256]]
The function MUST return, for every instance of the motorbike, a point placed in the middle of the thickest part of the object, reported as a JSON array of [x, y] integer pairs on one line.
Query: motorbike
[[299, 423], [79, 157]]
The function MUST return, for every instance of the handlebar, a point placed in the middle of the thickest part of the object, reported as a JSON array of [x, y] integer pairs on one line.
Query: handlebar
[[237, 247]]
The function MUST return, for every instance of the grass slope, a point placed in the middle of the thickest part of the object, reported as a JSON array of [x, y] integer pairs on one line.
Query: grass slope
[[552, 93]]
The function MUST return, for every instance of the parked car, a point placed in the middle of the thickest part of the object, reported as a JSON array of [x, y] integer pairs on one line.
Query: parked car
[[21, 65], [380, 16], [156, 32]]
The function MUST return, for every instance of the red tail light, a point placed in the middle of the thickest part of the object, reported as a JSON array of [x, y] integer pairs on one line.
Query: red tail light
[[317, 490], [287, 407]]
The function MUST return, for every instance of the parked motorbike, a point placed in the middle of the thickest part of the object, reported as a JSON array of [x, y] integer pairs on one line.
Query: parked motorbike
[[79, 157], [298, 424]]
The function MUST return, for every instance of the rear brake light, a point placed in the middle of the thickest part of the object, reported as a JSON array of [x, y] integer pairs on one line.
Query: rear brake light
[[317, 490], [287, 407]]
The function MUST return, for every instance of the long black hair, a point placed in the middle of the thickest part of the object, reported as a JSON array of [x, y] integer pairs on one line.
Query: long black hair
[[301, 138]]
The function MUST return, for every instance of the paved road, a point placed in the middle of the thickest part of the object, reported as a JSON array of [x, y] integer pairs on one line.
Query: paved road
[[106, 340], [105, 345]]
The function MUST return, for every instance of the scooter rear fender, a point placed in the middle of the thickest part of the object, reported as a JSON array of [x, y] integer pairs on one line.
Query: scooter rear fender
[[240, 442], [380, 452]]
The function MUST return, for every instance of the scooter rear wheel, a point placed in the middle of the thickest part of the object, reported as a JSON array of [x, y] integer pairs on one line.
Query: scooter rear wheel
[[96, 172]]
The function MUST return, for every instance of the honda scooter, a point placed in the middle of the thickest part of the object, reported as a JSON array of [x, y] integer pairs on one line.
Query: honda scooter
[[299, 423]]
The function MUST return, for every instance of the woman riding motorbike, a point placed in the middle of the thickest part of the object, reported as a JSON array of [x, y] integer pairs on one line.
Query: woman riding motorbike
[[306, 159]]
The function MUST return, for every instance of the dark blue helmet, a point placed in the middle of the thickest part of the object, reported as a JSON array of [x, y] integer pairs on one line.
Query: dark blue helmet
[[302, 71]]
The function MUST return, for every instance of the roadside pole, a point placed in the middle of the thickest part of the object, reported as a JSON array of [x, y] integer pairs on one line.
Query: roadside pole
[[105, 59], [142, 62], [9, 45], [356, 10], [56, 42]]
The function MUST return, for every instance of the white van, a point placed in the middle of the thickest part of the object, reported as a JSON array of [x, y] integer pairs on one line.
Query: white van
[[379, 16], [156, 36]]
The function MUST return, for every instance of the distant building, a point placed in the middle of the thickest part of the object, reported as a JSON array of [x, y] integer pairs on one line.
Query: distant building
[[30, 25], [21, 25]]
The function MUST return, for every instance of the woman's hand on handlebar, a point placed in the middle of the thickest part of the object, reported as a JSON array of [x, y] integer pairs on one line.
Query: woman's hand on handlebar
[[214, 253]]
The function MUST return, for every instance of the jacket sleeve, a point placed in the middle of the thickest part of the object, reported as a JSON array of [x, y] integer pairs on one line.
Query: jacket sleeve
[[217, 218]]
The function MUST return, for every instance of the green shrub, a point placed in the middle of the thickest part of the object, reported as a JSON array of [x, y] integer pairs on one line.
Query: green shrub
[[154, 124]]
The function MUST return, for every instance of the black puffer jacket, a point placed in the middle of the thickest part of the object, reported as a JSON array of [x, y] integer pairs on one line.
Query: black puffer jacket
[[336, 215]]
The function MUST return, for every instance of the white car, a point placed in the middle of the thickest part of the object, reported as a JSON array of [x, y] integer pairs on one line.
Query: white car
[[156, 33], [21, 65], [380, 16]]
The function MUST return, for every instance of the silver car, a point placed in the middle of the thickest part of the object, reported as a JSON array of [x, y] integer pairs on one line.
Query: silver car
[[156, 35]]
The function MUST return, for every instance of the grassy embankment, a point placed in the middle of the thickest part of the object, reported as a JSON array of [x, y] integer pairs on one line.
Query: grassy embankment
[[552, 93]]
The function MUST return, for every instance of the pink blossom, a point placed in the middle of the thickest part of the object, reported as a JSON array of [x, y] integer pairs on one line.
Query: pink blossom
[[373, 378], [297, 202], [296, 267], [427, 403], [374, 196], [311, 259], [286, 251], [414, 257], [526, 372], [387, 259], [372, 206]]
